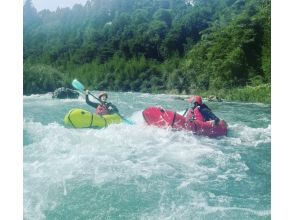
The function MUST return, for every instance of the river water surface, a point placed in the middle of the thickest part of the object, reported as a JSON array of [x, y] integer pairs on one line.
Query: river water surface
[[143, 172]]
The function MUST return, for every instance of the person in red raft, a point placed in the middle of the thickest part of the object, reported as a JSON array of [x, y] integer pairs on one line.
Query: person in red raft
[[200, 112], [104, 107]]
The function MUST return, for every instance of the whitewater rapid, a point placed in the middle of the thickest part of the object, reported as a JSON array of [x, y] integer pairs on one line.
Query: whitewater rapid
[[144, 172]]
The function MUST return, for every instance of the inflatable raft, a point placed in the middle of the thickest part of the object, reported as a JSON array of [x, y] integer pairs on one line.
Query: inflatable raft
[[80, 118], [166, 118]]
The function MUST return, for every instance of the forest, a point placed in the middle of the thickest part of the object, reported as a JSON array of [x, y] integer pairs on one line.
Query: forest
[[206, 47]]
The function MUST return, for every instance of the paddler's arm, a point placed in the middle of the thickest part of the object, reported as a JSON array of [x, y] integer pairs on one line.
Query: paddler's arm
[[93, 104], [207, 113]]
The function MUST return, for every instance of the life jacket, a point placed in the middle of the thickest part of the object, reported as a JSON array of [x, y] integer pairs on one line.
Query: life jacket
[[101, 110], [196, 113]]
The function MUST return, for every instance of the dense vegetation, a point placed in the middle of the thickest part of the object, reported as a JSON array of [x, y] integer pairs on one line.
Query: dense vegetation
[[174, 46]]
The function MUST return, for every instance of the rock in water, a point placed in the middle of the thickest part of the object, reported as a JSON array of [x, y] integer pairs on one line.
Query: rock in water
[[65, 93], [213, 98]]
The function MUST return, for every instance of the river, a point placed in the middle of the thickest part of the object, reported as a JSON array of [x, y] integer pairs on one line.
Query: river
[[144, 172]]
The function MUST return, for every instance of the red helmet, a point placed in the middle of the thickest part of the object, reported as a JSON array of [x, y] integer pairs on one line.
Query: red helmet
[[195, 99], [101, 94]]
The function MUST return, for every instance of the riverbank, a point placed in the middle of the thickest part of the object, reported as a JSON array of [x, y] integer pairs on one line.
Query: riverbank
[[40, 79], [260, 93]]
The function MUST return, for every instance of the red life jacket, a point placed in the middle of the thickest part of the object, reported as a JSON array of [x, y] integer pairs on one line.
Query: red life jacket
[[196, 113], [101, 110]]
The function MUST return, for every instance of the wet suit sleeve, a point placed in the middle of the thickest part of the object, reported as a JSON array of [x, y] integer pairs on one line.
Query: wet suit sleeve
[[93, 104], [112, 108], [208, 115]]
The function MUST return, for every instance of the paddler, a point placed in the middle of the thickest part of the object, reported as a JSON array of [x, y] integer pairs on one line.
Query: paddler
[[104, 107], [200, 111]]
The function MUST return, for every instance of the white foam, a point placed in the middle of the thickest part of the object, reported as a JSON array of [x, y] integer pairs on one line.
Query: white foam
[[248, 136], [37, 96]]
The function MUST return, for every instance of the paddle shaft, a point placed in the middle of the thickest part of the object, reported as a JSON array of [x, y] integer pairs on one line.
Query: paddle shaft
[[94, 96]]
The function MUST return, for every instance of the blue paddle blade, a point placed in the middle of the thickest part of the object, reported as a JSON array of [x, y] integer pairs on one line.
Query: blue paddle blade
[[128, 121], [77, 85]]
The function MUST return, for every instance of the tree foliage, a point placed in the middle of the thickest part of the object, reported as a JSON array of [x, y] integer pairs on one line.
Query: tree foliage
[[149, 45]]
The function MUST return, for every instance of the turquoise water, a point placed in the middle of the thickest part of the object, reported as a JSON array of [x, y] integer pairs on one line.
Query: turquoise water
[[143, 172]]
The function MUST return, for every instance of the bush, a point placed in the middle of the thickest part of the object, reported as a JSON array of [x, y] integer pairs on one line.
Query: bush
[[41, 79]]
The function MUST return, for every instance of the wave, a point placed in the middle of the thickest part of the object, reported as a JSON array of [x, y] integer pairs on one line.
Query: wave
[[240, 134]]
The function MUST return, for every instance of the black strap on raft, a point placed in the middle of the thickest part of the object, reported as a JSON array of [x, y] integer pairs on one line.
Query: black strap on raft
[[104, 120], [185, 111], [145, 118], [174, 118], [69, 118], [92, 116]]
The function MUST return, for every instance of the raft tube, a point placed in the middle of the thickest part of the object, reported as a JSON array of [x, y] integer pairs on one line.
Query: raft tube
[[160, 117], [80, 118]]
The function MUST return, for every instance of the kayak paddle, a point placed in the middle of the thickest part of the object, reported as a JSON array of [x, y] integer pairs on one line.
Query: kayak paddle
[[79, 86]]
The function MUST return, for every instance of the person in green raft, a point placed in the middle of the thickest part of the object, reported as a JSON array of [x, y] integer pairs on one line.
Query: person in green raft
[[104, 107]]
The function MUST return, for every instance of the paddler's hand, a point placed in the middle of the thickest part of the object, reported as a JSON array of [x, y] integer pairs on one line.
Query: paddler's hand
[[192, 118], [212, 123], [87, 92]]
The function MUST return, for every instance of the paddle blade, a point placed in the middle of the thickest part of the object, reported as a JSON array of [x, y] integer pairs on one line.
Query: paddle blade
[[128, 121], [77, 85]]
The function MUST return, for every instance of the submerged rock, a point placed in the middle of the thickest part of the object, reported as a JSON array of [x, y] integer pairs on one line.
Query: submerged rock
[[65, 93], [214, 98]]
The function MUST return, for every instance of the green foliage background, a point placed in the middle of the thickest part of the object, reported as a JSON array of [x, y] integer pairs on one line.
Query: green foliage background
[[203, 47]]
